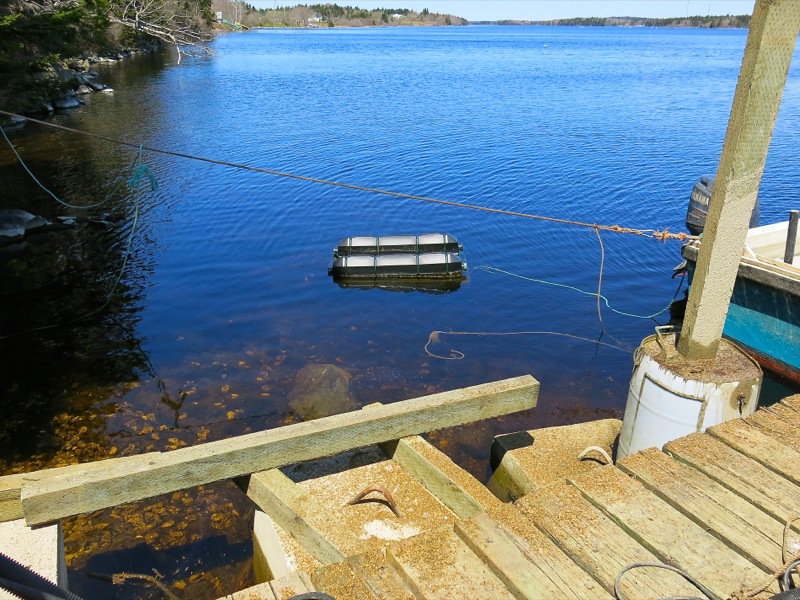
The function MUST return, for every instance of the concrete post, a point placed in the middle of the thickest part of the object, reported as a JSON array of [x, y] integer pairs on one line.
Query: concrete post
[[770, 43]]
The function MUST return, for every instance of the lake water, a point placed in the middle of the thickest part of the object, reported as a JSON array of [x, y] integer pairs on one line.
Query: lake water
[[225, 296]]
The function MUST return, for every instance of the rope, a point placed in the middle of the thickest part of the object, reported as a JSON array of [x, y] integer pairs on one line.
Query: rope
[[599, 450], [434, 336], [618, 587], [600, 279], [783, 574], [496, 270], [43, 187], [661, 235]]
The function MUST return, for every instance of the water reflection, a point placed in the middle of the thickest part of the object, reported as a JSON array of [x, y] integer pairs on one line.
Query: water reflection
[[68, 342], [426, 286]]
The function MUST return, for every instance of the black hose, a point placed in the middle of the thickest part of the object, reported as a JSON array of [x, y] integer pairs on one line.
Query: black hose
[[32, 586]]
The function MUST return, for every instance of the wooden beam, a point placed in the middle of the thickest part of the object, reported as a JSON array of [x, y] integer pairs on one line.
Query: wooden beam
[[413, 454], [113, 483], [11, 485], [770, 44]]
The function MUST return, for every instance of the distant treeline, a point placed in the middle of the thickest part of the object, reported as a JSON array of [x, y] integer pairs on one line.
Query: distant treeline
[[708, 22], [328, 15]]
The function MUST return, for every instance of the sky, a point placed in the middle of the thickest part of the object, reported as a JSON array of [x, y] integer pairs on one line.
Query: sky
[[545, 10]]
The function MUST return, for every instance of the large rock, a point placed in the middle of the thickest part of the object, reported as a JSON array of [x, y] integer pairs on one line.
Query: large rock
[[15, 222], [321, 390], [67, 102]]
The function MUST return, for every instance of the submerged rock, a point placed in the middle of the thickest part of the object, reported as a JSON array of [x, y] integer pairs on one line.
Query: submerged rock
[[321, 390], [15, 222], [67, 102]]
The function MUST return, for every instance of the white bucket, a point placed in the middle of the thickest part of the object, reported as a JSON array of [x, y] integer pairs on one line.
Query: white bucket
[[664, 404]]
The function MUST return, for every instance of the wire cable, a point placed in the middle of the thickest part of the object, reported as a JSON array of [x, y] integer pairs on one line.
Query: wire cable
[[662, 235]]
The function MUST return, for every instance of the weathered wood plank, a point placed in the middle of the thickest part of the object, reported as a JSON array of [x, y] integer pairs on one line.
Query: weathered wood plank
[[792, 402], [114, 483], [279, 497], [291, 585], [751, 532], [779, 422], [755, 444], [11, 485], [598, 545], [529, 460], [450, 484], [515, 563], [343, 581], [381, 578], [262, 591], [668, 534], [764, 488], [438, 565], [269, 558]]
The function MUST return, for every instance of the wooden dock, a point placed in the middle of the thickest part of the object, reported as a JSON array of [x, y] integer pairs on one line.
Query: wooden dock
[[719, 506], [365, 508]]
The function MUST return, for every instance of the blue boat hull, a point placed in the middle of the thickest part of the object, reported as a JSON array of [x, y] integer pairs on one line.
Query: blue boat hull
[[765, 320]]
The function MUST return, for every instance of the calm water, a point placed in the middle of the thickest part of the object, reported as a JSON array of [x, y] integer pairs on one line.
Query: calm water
[[226, 295]]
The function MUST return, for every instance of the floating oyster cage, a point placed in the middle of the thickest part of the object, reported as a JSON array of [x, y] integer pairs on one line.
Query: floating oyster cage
[[426, 256], [398, 244]]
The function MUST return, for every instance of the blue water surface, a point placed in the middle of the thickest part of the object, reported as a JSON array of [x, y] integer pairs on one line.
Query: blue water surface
[[227, 284]]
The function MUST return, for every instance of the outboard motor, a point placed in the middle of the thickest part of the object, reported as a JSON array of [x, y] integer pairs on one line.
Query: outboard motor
[[698, 205]]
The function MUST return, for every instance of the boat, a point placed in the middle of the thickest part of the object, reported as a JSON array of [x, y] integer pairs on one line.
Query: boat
[[764, 314]]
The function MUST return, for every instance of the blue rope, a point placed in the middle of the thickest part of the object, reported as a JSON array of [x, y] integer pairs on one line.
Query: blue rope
[[141, 171], [42, 186], [495, 270]]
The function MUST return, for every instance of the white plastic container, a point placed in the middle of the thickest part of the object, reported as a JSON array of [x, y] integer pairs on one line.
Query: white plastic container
[[670, 397]]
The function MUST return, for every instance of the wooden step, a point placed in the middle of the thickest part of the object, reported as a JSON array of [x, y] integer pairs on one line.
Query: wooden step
[[527, 461], [343, 581], [779, 422], [312, 502], [728, 517], [381, 578], [792, 402], [438, 565], [598, 544], [763, 448], [528, 571], [668, 534], [468, 498], [762, 487]]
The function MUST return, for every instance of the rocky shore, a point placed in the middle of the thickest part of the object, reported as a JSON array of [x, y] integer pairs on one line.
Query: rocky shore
[[61, 84]]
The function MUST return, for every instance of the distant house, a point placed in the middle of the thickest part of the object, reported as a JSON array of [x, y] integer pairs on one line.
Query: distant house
[[219, 16], [397, 16]]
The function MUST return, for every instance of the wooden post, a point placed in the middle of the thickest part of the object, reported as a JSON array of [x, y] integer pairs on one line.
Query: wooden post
[[770, 44]]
